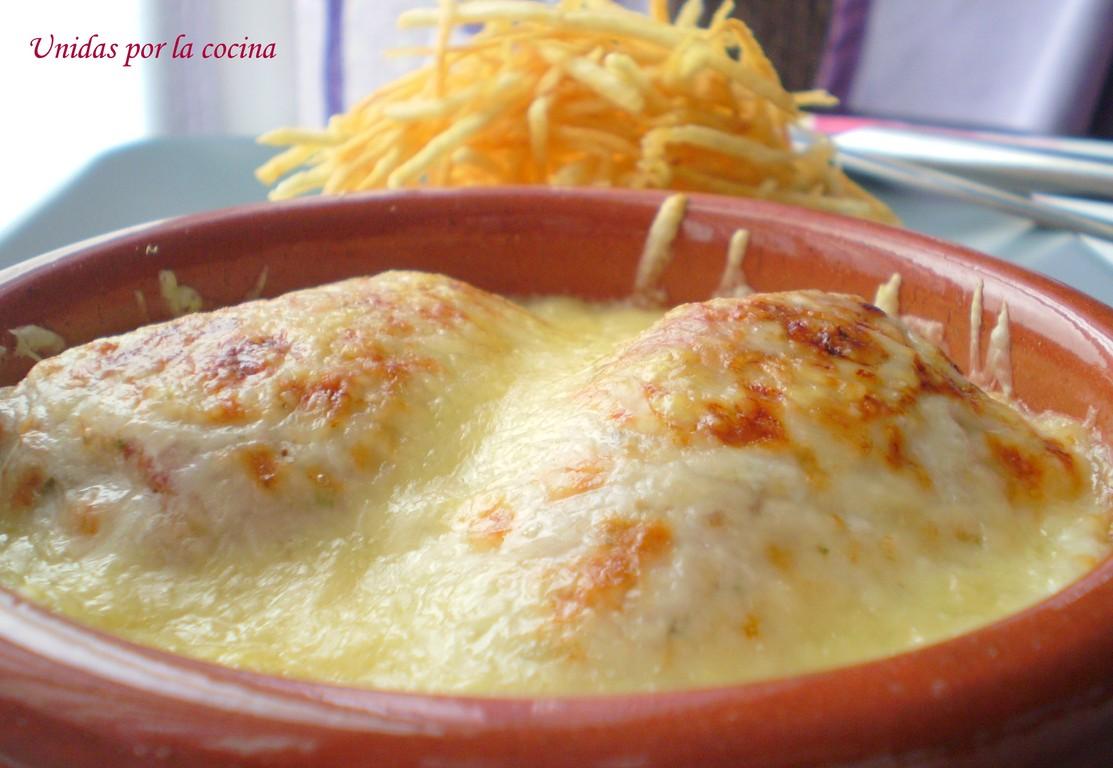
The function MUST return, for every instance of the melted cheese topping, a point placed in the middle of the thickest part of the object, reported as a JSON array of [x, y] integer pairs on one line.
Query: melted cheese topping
[[657, 252], [405, 482], [733, 281]]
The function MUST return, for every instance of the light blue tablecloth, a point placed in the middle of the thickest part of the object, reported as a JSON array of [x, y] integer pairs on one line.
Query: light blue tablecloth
[[159, 178]]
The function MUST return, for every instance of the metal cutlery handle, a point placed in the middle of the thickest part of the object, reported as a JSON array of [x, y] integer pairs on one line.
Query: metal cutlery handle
[[929, 180], [1018, 168]]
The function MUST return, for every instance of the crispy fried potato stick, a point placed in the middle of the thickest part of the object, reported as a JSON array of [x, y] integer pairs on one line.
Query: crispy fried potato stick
[[578, 93]]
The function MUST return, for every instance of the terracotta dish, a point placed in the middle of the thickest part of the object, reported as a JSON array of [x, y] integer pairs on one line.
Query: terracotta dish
[[1034, 689]]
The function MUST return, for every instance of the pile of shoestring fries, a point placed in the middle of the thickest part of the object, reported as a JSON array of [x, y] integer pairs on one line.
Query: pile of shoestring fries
[[579, 93]]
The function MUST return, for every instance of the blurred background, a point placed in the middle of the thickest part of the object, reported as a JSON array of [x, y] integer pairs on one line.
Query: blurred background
[[1034, 67]]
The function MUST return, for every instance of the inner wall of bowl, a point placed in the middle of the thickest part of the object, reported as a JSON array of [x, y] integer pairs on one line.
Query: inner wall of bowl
[[586, 244]]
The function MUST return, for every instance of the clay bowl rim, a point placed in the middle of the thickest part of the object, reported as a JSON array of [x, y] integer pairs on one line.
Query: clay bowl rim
[[882, 696]]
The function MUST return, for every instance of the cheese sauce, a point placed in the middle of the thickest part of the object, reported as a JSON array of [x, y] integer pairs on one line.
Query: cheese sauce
[[408, 483]]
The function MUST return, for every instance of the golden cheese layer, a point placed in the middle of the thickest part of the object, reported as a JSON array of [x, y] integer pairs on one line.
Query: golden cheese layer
[[406, 482]]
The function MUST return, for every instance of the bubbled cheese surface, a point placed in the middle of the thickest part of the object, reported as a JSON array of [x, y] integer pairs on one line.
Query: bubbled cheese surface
[[405, 482]]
